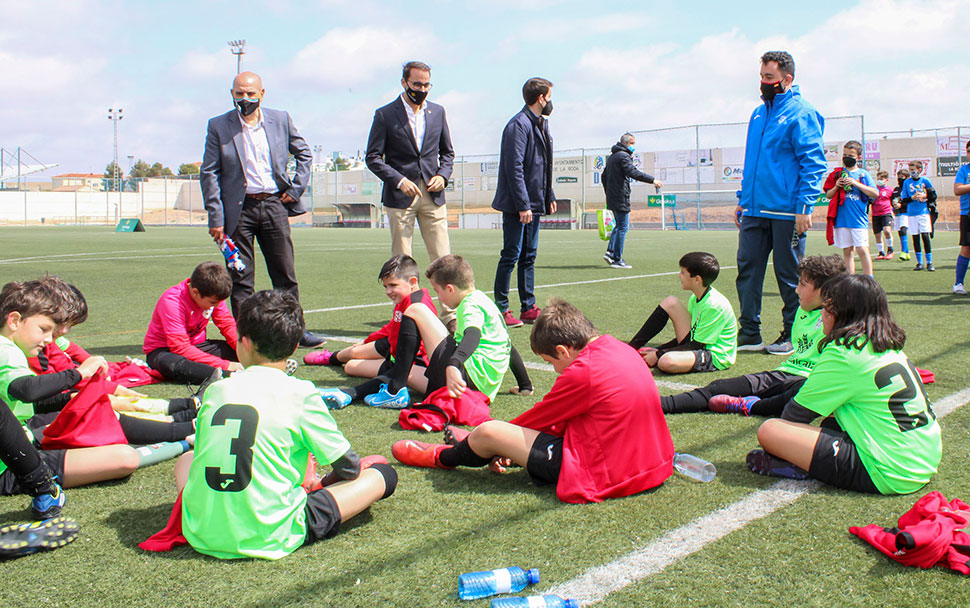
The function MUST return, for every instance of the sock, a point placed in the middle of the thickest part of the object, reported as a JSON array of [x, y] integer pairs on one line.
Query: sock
[[889, 242], [651, 327], [903, 243], [390, 478], [140, 431], [919, 257], [928, 247], [408, 341], [334, 361], [962, 264], [522, 379], [929, 257], [38, 482], [881, 250], [367, 388], [158, 452], [462, 455]]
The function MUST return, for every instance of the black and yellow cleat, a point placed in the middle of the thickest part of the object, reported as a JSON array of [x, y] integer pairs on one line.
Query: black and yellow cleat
[[18, 540]]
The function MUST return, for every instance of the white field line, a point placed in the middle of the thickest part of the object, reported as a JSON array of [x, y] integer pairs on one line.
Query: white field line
[[596, 583]]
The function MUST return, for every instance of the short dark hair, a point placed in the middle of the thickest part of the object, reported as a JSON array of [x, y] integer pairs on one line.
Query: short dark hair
[[701, 264], [818, 269], [273, 320], [400, 267], [533, 88], [212, 280], [917, 163], [902, 170], [854, 145], [451, 270], [860, 309], [31, 298], [786, 63], [560, 323], [414, 65], [882, 173], [75, 309]]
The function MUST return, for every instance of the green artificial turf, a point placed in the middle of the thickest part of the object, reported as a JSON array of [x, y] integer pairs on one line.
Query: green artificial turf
[[410, 549]]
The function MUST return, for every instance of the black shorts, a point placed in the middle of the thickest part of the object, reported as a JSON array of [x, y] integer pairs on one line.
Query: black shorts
[[836, 462], [439, 362], [703, 361], [322, 516], [9, 484], [965, 230], [881, 221], [545, 459]]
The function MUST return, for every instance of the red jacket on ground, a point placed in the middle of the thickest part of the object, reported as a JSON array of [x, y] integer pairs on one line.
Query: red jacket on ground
[[606, 406]]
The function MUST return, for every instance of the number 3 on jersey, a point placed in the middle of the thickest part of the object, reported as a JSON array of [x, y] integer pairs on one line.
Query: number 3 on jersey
[[899, 399], [241, 447]]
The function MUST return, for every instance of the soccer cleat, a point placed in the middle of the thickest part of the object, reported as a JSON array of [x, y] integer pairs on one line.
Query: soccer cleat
[[929, 267], [314, 481], [49, 504], [522, 391], [620, 264], [763, 463], [335, 398], [781, 346], [215, 376], [750, 343], [23, 539], [455, 435], [904, 256], [311, 340], [881, 256], [511, 320], [918, 266], [959, 289], [530, 316], [890, 255], [384, 398], [291, 365], [608, 258], [729, 404], [317, 357], [419, 454]]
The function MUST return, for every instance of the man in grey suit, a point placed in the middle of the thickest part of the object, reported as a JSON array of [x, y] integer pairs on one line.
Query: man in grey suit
[[248, 194]]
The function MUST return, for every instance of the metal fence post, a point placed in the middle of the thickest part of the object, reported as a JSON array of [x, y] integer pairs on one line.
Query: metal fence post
[[582, 152], [697, 168]]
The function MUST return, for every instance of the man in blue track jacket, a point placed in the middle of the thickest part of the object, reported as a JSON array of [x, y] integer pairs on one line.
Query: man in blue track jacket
[[784, 164]]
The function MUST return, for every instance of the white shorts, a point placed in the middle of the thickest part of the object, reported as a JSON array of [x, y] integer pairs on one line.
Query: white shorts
[[851, 237], [920, 224], [900, 221]]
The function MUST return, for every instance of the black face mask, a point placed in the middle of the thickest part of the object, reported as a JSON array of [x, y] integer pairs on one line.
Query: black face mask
[[246, 106], [416, 97], [848, 161], [547, 109], [900, 180], [770, 89]]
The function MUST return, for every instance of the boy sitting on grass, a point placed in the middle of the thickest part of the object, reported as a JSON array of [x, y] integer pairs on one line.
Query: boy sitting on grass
[[176, 342], [599, 433], [767, 393], [257, 429], [706, 330]]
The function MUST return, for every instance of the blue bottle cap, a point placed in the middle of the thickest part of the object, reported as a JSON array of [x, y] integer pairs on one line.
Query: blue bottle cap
[[571, 604], [533, 576]]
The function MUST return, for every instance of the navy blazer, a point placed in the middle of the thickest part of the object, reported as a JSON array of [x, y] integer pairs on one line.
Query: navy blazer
[[525, 166], [222, 178], [392, 153]]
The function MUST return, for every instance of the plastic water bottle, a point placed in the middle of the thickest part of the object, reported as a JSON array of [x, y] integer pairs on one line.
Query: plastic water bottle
[[231, 253], [475, 585], [535, 601], [693, 467]]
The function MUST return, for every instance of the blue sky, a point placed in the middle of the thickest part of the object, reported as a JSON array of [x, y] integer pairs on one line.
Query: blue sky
[[617, 66]]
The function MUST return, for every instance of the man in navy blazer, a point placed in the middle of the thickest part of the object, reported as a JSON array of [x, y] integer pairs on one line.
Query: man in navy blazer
[[523, 194], [409, 149], [248, 194]]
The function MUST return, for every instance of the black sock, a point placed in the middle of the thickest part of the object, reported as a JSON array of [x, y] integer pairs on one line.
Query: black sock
[[522, 379], [461, 454], [408, 341], [926, 245], [916, 245], [366, 388], [390, 478], [653, 326], [140, 431], [180, 404]]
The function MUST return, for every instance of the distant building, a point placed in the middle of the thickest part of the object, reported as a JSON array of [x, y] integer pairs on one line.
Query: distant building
[[77, 182]]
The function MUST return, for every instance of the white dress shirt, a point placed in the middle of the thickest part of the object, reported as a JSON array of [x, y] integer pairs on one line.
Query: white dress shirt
[[257, 165], [416, 119]]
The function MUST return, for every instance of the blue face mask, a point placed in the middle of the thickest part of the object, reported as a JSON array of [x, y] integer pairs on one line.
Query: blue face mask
[[632, 149]]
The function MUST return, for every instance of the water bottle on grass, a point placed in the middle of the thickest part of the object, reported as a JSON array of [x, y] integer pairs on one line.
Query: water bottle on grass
[[693, 467], [475, 585], [535, 601]]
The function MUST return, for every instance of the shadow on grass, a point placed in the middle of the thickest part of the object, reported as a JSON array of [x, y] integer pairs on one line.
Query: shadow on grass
[[133, 526], [109, 352]]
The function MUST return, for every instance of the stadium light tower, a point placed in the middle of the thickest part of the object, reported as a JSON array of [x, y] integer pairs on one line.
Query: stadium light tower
[[238, 49], [114, 116]]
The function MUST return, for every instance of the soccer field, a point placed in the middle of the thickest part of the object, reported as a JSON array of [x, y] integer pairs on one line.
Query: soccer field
[[409, 549]]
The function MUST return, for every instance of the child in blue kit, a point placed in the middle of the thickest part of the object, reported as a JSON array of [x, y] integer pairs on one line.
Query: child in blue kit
[[852, 218], [961, 188], [918, 194]]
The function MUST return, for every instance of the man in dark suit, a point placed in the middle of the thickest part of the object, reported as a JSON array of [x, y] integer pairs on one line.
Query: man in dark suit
[[409, 149], [247, 192], [523, 194], [617, 173]]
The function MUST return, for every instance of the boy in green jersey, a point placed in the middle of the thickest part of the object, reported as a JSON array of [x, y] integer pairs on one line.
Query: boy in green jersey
[[706, 329], [881, 435], [767, 393], [242, 492]]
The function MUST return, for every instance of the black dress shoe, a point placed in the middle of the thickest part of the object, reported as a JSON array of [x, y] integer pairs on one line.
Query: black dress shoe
[[311, 340]]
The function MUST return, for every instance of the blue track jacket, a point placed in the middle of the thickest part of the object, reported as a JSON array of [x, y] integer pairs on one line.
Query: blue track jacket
[[784, 158]]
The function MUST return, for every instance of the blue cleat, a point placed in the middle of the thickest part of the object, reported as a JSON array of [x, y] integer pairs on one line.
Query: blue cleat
[[335, 398], [23, 539], [385, 399], [48, 505], [763, 463]]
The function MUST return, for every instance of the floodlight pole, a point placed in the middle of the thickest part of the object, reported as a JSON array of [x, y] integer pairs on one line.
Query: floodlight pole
[[114, 116], [238, 49]]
